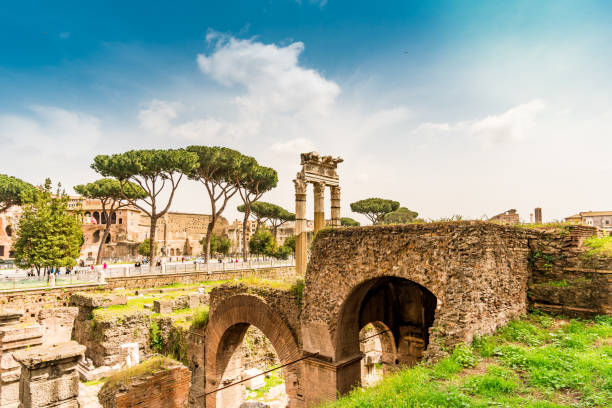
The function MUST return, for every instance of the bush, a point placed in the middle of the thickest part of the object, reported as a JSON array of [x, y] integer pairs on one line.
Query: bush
[[200, 317]]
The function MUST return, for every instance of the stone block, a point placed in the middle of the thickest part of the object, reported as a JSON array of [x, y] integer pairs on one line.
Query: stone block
[[93, 300], [181, 302], [8, 317], [57, 324], [48, 375], [198, 299], [130, 355], [255, 382], [163, 306]]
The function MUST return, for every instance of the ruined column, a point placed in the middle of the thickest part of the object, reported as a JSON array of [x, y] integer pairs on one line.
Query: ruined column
[[335, 206], [14, 336], [538, 215], [301, 239], [48, 375], [319, 207]]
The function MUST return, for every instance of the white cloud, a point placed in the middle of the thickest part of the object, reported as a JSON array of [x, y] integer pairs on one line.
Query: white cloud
[[297, 146], [510, 126], [271, 74], [56, 141], [157, 117]]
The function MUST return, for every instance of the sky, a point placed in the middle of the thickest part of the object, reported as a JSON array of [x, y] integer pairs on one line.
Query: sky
[[449, 107]]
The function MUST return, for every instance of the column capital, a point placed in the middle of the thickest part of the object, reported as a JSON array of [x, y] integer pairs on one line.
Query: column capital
[[300, 185], [319, 189], [335, 192]]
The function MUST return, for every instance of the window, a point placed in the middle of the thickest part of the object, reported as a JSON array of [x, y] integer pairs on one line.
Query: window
[[607, 222], [1, 250], [120, 220]]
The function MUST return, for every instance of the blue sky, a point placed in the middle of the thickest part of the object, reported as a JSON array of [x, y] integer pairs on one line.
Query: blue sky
[[451, 107]]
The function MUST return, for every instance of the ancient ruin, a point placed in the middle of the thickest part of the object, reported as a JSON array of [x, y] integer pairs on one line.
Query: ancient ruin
[[321, 172]]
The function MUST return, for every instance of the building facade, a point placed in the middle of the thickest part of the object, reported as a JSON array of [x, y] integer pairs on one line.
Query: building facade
[[9, 221], [599, 219]]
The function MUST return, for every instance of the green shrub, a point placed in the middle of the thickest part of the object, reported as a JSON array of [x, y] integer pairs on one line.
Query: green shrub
[[200, 317], [155, 339]]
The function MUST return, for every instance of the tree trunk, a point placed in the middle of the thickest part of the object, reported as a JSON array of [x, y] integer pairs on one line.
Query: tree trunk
[[209, 231], [152, 243], [103, 241], [274, 231], [244, 228]]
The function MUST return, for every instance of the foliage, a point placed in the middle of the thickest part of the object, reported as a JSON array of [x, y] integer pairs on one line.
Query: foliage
[[157, 343], [48, 235], [12, 191], [263, 212], [599, 246], [537, 361], [349, 222], [152, 170], [253, 181], [374, 208], [220, 245], [144, 248], [290, 243], [282, 252], [200, 317], [217, 170], [111, 195], [262, 243], [400, 216]]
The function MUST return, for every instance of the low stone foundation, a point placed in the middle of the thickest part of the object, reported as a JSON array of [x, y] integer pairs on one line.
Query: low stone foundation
[[48, 376], [167, 388]]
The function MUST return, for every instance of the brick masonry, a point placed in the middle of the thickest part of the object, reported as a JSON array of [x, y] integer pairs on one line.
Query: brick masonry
[[164, 389]]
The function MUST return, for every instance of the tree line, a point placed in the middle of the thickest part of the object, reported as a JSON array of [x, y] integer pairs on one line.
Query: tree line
[[147, 180]]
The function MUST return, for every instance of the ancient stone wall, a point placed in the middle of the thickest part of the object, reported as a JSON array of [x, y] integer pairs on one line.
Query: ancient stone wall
[[286, 304], [563, 279], [164, 389], [152, 281], [32, 301], [477, 271]]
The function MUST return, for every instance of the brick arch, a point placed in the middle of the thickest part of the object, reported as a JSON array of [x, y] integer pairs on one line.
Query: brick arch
[[225, 331]]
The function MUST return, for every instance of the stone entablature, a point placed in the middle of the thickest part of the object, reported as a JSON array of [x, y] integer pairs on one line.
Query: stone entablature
[[321, 172]]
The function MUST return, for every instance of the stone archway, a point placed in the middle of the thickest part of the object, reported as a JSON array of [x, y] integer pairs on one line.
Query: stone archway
[[225, 331], [406, 308]]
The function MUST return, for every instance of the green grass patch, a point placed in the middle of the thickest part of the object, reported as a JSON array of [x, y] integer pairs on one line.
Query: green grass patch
[[272, 379], [537, 361], [598, 246], [200, 317]]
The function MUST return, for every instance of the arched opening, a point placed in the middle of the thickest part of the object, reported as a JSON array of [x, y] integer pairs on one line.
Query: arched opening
[[250, 353], [120, 221], [377, 344], [230, 322], [401, 310], [96, 216], [9, 231], [114, 218], [103, 218], [96, 237], [108, 239]]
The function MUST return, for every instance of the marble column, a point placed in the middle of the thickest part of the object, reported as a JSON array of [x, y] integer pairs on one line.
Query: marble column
[[319, 207], [335, 206], [301, 238]]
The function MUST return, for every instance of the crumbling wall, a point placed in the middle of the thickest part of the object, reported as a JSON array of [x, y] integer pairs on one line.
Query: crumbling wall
[[563, 279]]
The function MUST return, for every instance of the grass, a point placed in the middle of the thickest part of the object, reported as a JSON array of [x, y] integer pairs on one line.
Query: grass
[[559, 226], [200, 317], [271, 380], [537, 361], [599, 247], [130, 375]]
